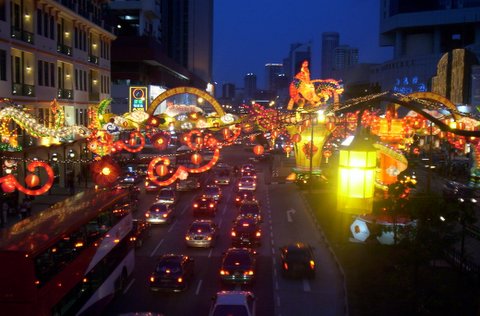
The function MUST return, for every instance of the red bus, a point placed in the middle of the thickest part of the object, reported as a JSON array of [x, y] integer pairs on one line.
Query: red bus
[[70, 259]]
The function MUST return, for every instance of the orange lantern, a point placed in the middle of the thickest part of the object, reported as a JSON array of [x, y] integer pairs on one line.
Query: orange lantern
[[196, 158], [252, 137], [258, 150], [8, 186], [132, 141], [161, 170], [32, 180], [296, 138], [226, 133]]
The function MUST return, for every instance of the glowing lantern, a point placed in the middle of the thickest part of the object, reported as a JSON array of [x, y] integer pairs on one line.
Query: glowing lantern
[[274, 134], [132, 141], [226, 133], [8, 186], [356, 176], [161, 170], [296, 138], [327, 154], [258, 150], [196, 158], [106, 171], [160, 143], [32, 180], [247, 128], [252, 138]]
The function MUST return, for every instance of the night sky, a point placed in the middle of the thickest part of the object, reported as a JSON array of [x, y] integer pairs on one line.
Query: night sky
[[250, 33]]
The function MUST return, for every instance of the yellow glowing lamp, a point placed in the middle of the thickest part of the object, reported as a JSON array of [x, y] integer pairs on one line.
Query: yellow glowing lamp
[[356, 176]]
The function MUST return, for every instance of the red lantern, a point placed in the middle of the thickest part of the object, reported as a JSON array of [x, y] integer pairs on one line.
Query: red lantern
[[161, 170], [252, 138], [288, 149], [8, 186], [160, 143], [258, 150], [132, 141], [226, 133], [196, 158], [296, 138], [32, 180]]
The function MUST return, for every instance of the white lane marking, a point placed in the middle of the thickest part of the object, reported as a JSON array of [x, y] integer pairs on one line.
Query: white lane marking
[[278, 300], [220, 224], [290, 212], [210, 253], [273, 251], [274, 261], [198, 287], [306, 285], [128, 286], [156, 248], [276, 285], [184, 210], [171, 227]]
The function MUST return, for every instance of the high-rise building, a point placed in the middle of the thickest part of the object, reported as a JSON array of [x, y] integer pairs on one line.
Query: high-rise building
[[228, 91], [345, 56], [54, 50], [299, 52], [250, 82], [330, 41], [420, 32], [272, 71]]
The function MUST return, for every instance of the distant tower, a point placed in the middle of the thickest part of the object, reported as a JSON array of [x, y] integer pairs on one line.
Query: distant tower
[[330, 41], [298, 53], [272, 71], [228, 91], [250, 82], [344, 57]]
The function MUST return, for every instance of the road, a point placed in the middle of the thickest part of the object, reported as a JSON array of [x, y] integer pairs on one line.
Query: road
[[286, 219]]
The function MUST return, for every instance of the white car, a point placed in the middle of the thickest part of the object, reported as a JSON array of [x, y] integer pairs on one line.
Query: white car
[[247, 183], [167, 196], [233, 303]]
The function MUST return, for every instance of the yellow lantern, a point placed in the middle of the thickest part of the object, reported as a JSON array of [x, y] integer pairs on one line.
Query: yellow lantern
[[356, 176]]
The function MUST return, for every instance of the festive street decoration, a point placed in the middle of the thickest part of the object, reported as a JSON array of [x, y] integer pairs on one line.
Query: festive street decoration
[[104, 171], [9, 183]]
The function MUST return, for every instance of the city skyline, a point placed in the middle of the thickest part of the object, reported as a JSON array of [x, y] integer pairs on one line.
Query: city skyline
[[244, 43]]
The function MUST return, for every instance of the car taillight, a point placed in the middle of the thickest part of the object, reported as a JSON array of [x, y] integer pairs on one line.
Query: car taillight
[[285, 266], [146, 183], [147, 214], [195, 205], [237, 199], [211, 205], [133, 238], [249, 272], [234, 234], [258, 234], [312, 264], [187, 237], [223, 272], [209, 238], [164, 215], [180, 280], [239, 184], [152, 279]]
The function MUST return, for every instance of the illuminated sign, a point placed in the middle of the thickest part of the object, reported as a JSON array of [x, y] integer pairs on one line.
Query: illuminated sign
[[138, 99], [408, 85]]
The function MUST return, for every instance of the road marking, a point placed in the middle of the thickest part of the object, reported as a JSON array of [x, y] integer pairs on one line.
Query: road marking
[[156, 248], [274, 261], [198, 287], [278, 300], [276, 285], [128, 286], [273, 251], [210, 253], [220, 224], [184, 210], [306, 285], [171, 227], [290, 212]]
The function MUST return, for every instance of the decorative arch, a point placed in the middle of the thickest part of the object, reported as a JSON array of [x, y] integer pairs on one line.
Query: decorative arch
[[180, 90], [431, 96]]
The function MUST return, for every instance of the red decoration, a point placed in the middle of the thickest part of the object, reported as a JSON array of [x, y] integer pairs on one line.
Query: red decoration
[[104, 171], [161, 170], [308, 150], [8, 186], [32, 180], [196, 158], [296, 138], [10, 183], [258, 150]]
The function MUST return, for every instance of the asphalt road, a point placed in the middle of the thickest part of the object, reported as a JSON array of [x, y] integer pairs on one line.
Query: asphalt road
[[286, 219]]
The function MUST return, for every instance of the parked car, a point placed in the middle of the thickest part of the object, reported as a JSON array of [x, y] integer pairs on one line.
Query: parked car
[[233, 303], [238, 266], [159, 213], [201, 234], [246, 232], [205, 206], [247, 167], [140, 231], [317, 181], [173, 272], [297, 260]]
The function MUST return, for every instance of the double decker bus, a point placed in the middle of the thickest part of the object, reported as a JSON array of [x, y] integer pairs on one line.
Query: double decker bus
[[70, 259]]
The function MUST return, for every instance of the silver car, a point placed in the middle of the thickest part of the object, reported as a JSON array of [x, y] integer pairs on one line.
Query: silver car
[[159, 213], [201, 234]]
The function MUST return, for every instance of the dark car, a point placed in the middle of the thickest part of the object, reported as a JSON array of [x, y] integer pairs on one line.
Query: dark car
[[250, 209], [204, 206], [297, 260], [244, 195], [453, 191], [238, 266], [317, 181], [213, 191], [131, 178], [173, 273], [246, 232], [140, 231]]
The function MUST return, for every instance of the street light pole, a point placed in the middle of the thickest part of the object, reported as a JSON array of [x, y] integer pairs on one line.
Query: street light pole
[[311, 154]]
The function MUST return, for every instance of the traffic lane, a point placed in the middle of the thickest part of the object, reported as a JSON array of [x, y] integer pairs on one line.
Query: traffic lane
[[291, 214]]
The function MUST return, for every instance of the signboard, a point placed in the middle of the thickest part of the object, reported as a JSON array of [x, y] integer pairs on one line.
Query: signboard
[[137, 99]]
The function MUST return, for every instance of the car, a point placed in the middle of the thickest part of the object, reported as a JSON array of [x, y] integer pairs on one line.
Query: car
[[249, 173], [244, 195], [188, 184], [247, 183], [150, 186], [202, 234], [246, 232], [247, 167], [205, 206], [140, 231], [213, 191], [131, 178], [238, 266], [167, 195], [250, 209], [233, 303], [173, 272], [452, 191], [318, 181], [159, 213], [297, 260], [223, 177]]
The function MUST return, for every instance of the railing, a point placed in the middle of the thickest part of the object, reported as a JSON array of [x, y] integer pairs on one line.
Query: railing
[[465, 265], [93, 59], [65, 94], [22, 35], [64, 49], [23, 89], [473, 231]]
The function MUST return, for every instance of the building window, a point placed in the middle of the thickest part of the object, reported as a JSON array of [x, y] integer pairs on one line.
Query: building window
[[46, 74], [76, 37], [52, 23], [2, 10], [52, 75], [3, 65], [40, 72], [39, 21], [45, 24], [76, 79]]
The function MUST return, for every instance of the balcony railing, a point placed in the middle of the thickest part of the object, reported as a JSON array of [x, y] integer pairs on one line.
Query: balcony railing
[[93, 59], [22, 35], [94, 96], [65, 94], [64, 49], [23, 89]]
